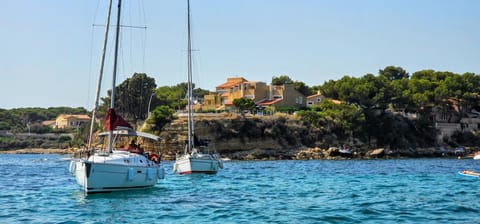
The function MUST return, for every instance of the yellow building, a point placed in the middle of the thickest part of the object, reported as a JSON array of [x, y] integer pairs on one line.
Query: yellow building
[[261, 93], [234, 88], [71, 120]]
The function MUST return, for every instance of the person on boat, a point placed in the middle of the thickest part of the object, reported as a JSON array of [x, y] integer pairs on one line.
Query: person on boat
[[133, 147]]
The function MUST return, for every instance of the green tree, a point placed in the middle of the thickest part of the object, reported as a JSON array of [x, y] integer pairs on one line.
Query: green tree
[[298, 85], [393, 73], [244, 104], [172, 96], [80, 136], [132, 97], [302, 88], [328, 89], [161, 116], [399, 90], [281, 80], [340, 119], [200, 93]]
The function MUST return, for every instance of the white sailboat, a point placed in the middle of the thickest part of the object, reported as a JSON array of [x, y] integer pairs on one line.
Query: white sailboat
[[110, 166], [196, 158]]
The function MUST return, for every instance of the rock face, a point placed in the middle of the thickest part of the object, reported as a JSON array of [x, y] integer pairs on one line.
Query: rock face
[[240, 137], [276, 137]]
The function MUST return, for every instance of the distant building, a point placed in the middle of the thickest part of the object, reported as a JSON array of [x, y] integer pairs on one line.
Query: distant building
[[50, 123], [261, 93], [315, 99], [284, 96], [448, 120], [71, 120], [211, 102]]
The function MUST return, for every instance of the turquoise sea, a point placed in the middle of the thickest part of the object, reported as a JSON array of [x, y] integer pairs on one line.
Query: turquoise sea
[[39, 189]]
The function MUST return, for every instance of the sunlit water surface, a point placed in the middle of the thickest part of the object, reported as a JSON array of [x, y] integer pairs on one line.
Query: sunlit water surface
[[39, 189]]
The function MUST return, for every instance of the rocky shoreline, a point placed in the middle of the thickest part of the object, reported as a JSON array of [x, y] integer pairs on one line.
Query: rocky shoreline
[[334, 153], [331, 153], [268, 138]]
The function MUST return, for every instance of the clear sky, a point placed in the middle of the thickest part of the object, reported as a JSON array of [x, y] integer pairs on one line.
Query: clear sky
[[50, 50]]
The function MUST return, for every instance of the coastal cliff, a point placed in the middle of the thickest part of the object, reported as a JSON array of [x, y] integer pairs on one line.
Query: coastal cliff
[[282, 137]]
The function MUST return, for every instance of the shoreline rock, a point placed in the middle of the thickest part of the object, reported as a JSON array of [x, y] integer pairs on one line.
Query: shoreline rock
[[316, 153], [37, 151]]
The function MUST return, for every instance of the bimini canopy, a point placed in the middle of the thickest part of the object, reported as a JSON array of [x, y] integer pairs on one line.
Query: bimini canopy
[[130, 132]]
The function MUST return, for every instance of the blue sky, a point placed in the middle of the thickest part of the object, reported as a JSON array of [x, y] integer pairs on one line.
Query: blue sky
[[49, 50]]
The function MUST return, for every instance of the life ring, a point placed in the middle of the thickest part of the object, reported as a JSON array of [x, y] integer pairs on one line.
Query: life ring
[[154, 158]]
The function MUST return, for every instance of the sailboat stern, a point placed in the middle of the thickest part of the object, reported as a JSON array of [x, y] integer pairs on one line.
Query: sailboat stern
[[200, 163], [103, 177]]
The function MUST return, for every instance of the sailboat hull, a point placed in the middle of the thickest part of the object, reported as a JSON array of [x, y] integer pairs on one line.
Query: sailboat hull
[[95, 176], [194, 161], [202, 163]]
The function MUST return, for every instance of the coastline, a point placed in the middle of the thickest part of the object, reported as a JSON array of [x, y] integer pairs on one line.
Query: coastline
[[36, 151], [305, 154]]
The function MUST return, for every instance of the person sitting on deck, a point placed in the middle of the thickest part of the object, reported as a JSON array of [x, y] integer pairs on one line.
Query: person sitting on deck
[[133, 147]]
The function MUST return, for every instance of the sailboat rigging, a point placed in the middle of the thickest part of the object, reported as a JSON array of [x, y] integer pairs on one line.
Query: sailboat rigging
[[194, 160], [115, 168]]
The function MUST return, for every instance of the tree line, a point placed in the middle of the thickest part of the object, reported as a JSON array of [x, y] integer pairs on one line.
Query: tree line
[[23, 119], [368, 102]]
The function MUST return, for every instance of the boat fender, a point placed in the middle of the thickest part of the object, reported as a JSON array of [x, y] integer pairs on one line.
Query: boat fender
[[149, 174], [88, 168], [161, 173], [130, 174], [73, 167], [175, 166], [153, 157], [220, 163]]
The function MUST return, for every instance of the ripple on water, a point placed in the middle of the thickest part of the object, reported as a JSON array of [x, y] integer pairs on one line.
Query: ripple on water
[[39, 189]]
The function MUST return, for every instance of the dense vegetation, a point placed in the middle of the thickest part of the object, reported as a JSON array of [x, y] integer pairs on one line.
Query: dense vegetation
[[23, 119], [369, 102]]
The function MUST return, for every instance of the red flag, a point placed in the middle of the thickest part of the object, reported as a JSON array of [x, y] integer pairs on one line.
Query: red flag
[[113, 120]]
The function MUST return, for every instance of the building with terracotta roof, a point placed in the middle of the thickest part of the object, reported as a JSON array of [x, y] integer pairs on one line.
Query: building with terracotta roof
[[283, 96], [261, 93], [50, 123]]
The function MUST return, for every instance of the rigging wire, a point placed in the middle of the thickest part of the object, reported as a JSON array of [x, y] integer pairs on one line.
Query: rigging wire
[[142, 8], [90, 64]]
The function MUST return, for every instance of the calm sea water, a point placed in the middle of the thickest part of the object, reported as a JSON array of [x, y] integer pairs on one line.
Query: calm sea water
[[39, 189]]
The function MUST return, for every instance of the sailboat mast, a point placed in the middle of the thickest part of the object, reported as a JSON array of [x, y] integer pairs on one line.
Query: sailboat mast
[[189, 75], [114, 78], [100, 75]]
